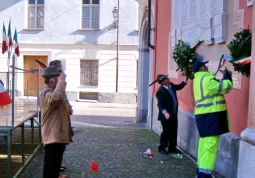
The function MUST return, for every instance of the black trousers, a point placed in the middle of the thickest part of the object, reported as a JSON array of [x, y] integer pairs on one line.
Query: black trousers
[[52, 160], [168, 137]]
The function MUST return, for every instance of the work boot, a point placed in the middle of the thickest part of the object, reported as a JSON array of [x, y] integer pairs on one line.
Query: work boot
[[162, 151], [174, 151]]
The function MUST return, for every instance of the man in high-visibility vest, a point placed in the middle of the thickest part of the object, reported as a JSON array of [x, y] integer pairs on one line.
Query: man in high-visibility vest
[[210, 113]]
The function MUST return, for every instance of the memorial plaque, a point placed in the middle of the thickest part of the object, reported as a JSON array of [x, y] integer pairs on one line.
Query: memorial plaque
[[197, 20], [204, 10], [189, 16]]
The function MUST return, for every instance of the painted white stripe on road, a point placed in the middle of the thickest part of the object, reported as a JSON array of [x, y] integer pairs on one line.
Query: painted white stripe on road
[[91, 125]]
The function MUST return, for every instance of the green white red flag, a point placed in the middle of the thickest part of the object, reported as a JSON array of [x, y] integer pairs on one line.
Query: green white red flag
[[243, 61], [10, 35], [5, 98], [4, 42], [16, 45], [225, 58]]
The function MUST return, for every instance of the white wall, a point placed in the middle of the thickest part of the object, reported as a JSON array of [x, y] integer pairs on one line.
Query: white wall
[[63, 39], [71, 55], [62, 22]]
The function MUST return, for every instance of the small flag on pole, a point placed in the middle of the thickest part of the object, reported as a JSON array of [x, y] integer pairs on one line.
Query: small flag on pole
[[16, 45], [10, 34], [5, 98], [5, 39], [227, 59], [223, 60]]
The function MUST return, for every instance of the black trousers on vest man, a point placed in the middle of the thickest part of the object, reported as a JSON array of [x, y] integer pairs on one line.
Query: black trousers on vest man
[[52, 160], [168, 137]]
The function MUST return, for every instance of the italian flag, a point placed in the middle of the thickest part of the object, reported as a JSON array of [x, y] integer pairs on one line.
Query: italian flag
[[16, 45], [243, 61], [5, 98], [224, 59], [4, 43], [10, 34]]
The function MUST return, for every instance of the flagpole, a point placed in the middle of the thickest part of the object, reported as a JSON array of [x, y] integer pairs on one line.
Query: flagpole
[[8, 66], [9, 53], [13, 89], [8, 72]]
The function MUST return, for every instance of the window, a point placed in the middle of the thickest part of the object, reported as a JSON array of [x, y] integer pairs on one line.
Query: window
[[35, 13], [89, 72], [90, 14]]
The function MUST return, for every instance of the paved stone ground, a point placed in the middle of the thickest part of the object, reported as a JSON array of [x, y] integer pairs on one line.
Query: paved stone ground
[[111, 137], [119, 154]]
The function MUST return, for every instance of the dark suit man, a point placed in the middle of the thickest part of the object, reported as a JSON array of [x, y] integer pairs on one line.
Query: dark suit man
[[168, 109]]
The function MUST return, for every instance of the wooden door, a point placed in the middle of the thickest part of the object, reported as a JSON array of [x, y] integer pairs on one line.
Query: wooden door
[[31, 79]]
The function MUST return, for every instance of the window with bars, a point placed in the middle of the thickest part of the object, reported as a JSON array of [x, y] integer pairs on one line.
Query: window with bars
[[89, 73], [90, 14], [36, 14]]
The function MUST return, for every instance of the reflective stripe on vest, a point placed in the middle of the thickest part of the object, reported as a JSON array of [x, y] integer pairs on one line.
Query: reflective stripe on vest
[[210, 104], [209, 96]]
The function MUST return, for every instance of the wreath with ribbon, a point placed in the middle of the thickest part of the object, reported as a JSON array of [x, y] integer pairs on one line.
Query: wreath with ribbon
[[240, 51], [184, 55]]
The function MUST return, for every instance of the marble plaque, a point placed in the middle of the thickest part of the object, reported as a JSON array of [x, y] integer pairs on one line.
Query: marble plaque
[[193, 16]]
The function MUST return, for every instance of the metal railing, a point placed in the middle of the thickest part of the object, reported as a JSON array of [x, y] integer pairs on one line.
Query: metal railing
[[28, 91]]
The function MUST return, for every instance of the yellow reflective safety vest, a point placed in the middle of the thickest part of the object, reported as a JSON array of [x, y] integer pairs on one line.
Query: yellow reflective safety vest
[[211, 108]]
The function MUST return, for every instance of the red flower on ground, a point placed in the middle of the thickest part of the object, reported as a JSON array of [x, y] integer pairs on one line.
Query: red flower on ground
[[94, 167]]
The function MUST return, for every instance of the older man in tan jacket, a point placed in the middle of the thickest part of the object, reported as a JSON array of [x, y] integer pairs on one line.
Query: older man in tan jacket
[[55, 120], [58, 64]]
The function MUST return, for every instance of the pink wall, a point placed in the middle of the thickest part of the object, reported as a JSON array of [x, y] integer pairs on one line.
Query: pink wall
[[161, 41], [237, 100], [247, 13]]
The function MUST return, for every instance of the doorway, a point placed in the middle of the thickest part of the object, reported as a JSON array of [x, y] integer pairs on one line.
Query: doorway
[[143, 75], [31, 79]]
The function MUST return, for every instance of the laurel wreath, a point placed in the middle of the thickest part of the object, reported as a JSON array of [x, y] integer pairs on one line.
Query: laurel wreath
[[184, 55], [240, 47]]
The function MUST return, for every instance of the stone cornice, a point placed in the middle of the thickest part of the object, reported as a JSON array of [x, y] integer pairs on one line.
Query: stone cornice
[[248, 135]]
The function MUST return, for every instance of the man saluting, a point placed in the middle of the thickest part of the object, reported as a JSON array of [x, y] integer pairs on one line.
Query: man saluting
[[168, 109]]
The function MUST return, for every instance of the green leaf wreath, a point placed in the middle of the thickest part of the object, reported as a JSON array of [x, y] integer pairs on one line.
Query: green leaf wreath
[[240, 47], [184, 56]]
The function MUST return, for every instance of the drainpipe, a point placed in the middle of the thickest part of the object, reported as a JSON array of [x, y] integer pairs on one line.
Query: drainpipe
[[153, 48], [150, 29], [155, 39]]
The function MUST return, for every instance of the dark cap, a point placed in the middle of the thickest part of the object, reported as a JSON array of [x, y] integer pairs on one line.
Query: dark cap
[[198, 64], [160, 79], [50, 71]]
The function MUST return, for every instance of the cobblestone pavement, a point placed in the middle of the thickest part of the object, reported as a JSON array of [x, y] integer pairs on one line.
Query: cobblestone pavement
[[119, 154], [111, 137]]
